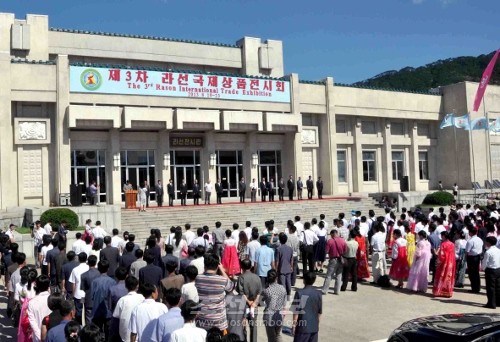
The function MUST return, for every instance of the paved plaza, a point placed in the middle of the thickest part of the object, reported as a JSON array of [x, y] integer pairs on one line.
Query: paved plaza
[[370, 314]]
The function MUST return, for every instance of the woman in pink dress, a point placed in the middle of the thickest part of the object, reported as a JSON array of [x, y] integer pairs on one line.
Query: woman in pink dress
[[419, 271], [445, 269], [230, 259], [399, 268]]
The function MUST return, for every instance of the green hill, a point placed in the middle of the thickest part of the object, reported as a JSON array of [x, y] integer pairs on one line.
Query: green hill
[[433, 75]]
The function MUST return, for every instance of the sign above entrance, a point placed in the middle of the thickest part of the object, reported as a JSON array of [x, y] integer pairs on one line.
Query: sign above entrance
[[175, 84], [186, 142]]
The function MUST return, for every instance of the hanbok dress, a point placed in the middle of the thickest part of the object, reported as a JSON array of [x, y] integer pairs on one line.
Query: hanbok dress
[[410, 239], [444, 280], [230, 259], [419, 271], [399, 268], [361, 258], [461, 262]]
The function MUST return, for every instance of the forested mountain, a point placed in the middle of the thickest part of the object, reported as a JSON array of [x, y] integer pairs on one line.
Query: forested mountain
[[433, 75]]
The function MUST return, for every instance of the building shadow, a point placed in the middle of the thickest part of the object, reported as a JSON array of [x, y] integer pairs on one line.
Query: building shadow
[[7, 331], [458, 301]]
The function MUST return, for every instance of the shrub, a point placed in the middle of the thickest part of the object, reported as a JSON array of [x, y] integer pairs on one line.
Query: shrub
[[57, 215], [438, 198]]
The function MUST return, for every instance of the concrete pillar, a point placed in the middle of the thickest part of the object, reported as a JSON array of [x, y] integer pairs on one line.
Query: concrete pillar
[[163, 148], [293, 141], [413, 162], [210, 171], [327, 152], [113, 173], [39, 37], [250, 55], [6, 21], [386, 155], [61, 128], [249, 171], [357, 157]]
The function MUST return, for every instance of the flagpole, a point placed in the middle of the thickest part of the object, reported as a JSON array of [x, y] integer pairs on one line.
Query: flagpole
[[471, 142], [456, 152], [490, 173]]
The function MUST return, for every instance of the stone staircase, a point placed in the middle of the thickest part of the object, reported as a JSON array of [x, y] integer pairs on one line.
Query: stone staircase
[[163, 218]]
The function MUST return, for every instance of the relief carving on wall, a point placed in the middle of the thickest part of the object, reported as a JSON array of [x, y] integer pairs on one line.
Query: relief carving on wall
[[33, 130], [309, 136]]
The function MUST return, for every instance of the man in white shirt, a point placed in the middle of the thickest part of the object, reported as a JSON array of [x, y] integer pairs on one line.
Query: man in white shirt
[[126, 305], [431, 214], [309, 238], [48, 228], [145, 313], [474, 248], [79, 244], [38, 233], [253, 246], [200, 239], [248, 229], [236, 233], [363, 227], [189, 235], [208, 191], [199, 261], [116, 240], [491, 267], [355, 216], [10, 232], [75, 279], [314, 226], [189, 332], [298, 225], [379, 264], [37, 307]]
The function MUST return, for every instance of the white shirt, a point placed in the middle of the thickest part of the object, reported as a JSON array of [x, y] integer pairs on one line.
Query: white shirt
[[364, 228], [37, 310], [378, 242], [248, 232], [236, 236], [199, 241], [116, 241], [253, 246], [123, 311], [10, 234], [254, 186], [78, 246], [325, 224], [474, 246], [300, 227], [431, 214], [48, 229], [494, 214], [439, 230], [144, 313], [491, 258], [98, 232], [189, 292], [308, 237], [76, 278], [208, 187], [87, 249], [321, 232], [22, 291], [43, 253], [190, 236], [189, 333], [199, 263], [38, 235]]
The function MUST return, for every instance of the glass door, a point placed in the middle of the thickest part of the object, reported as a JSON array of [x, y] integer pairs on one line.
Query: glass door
[[229, 180], [188, 174]]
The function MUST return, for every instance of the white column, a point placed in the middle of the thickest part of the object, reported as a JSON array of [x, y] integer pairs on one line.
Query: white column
[[386, 155], [113, 173]]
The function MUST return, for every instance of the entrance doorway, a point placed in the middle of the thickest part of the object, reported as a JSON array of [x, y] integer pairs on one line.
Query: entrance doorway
[[185, 165], [87, 167], [270, 165], [229, 171], [137, 167]]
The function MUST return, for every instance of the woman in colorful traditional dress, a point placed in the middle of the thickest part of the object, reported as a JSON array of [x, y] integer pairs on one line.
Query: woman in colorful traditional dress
[[445, 269], [24, 292], [419, 271], [390, 237], [361, 258], [399, 268], [230, 259], [410, 240], [461, 267]]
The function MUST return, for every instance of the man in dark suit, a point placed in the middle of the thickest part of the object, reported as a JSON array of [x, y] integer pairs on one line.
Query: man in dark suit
[[196, 193], [319, 186], [150, 273], [86, 285], [270, 189], [290, 184], [300, 186], [62, 231], [111, 254], [309, 307], [171, 193], [159, 193], [183, 189], [263, 189], [281, 189], [310, 187], [218, 191], [243, 189]]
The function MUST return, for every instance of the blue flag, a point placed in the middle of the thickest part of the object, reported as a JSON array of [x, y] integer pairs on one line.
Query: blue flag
[[462, 121], [447, 121], [495, 125], [478, 124]]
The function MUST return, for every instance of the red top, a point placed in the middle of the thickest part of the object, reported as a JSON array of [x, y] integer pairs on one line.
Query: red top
[[336, 247]]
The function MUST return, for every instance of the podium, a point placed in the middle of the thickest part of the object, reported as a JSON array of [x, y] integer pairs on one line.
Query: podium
[[131, 199]]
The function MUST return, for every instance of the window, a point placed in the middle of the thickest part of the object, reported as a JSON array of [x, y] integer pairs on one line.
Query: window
[[340, 126], [423, 130], [368, 127], [423, 164], [341, 166], [397, 165], [397, 128], [369, 166]]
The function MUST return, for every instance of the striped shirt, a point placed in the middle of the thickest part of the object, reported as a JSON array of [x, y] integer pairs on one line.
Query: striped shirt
[[212, 291]]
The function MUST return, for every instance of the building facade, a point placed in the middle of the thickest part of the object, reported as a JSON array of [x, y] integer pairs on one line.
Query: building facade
[[79, 106]]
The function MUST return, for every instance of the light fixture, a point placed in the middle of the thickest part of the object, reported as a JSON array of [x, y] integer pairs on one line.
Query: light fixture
[[116, 161], [255, 159], [213, 159], [166, 160]]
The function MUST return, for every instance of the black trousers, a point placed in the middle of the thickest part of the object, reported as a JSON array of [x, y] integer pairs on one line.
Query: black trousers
[[320, 193], [290, 195], [159, 200], [307, 260], [350, 268], [271, 196], [309, 194], [171, 200], [263, 198], [281, 194], [196, 200], [492, 277], [219, 198], [473, 271], [183, 199], [242, 197]]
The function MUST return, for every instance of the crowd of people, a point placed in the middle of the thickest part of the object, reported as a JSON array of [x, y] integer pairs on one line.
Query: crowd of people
[[208, 285]]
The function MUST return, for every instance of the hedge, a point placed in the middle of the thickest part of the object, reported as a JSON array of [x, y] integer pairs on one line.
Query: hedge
[[439, 198], [57, 215]]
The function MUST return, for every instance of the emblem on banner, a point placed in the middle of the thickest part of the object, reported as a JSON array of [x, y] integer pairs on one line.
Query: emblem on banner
[[91, 79]]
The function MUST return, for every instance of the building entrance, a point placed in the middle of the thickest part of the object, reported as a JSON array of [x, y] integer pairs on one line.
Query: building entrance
[[229, 171], [137, 167], [87, 167], [185, 165]]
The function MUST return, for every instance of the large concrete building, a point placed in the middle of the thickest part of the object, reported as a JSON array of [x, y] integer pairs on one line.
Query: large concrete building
[[80, 106]]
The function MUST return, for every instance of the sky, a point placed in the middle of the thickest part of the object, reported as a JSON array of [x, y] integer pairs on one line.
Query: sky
[[349, 40]]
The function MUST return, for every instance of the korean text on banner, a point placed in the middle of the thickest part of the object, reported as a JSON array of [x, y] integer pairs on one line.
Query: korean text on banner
[[484, 81]]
